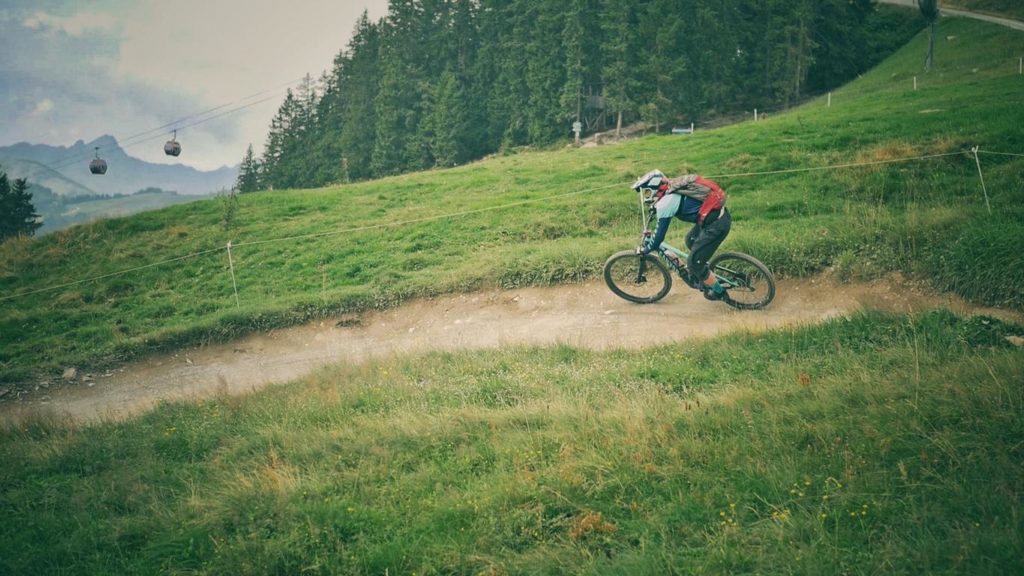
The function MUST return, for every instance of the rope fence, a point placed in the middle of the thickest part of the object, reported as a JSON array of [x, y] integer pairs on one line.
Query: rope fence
[[973, 152]]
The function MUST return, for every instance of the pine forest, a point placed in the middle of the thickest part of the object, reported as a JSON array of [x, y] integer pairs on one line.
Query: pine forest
[[438, 83]]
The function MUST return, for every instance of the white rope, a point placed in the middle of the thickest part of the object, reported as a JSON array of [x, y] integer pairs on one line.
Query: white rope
[[196, 119], [1000, 153], [303, 237], [426, 218], [112, 274], [836, 166], [467, 213]]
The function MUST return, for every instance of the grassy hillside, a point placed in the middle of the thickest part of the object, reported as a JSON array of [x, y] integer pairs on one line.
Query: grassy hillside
[[540, 217], [873, 445], [876, 444]]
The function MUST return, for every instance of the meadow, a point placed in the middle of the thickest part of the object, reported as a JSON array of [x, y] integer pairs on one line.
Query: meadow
[[872, 444], [103, 293], [877, 444]]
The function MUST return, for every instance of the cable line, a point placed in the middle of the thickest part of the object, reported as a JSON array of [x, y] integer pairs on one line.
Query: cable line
[[110, 275], [836, 166], [158, 132], [466, 213]]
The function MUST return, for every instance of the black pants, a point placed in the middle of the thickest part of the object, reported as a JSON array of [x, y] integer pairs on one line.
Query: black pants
[[704, 239]]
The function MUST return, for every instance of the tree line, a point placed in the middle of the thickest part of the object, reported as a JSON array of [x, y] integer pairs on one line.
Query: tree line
[[438, 83]]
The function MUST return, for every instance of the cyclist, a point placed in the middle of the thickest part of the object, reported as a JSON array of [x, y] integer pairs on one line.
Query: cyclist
[[691, 198]]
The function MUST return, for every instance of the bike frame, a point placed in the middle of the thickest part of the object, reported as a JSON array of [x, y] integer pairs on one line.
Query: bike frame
[[665, 247]]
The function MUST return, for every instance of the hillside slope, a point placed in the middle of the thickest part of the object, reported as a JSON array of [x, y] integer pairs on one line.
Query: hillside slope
[[880, 443], [881, 180]]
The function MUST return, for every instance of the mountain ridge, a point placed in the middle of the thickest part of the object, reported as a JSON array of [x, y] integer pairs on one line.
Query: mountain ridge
[[125, 175]]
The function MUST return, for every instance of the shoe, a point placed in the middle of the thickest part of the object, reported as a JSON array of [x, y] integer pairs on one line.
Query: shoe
[[711, 294]]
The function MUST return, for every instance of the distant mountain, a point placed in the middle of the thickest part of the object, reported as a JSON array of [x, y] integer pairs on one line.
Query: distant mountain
[[39, 175], [125, 174]]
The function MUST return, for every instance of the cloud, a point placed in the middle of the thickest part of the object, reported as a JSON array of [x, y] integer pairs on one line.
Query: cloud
[[57, 87], [123, 67], [43, 106], [77, 25]]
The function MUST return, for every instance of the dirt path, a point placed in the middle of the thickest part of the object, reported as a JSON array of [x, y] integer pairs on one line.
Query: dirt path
[[586, 315]]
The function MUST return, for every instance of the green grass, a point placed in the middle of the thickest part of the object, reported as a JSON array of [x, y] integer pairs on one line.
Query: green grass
[[878, 444], [926, 218]]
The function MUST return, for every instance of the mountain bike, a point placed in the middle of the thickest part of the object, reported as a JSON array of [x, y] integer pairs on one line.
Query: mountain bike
[[646, 278]]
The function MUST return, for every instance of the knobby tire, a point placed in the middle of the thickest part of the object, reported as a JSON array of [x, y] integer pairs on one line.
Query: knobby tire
[[640, 279], [751, 285]]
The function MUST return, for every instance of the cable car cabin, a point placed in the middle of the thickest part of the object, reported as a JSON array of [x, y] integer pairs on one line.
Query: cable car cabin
[[172, 148], [98, 166]]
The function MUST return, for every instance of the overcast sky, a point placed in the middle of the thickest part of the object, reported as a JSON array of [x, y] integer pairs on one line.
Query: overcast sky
[[78, 69]]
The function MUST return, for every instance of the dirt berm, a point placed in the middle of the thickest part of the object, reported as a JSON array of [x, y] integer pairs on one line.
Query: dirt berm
[[585, 315]]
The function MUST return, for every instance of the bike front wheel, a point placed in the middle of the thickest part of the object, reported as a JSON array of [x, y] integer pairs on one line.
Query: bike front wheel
[[638, 278], [750, 284]]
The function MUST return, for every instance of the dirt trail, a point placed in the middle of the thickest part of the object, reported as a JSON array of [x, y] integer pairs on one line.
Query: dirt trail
[[586, 315]]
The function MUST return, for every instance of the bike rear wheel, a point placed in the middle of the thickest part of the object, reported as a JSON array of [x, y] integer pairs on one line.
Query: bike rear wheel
[[638, 278], [749, 284]]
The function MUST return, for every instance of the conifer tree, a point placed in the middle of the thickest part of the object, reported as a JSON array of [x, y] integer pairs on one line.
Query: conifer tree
[[18, 216], [438, 82], [278, 153], [618, 73], [664, 69], [511, 94], [571, 98], [930, 11], [248, 173], [358, 85], [393, 104], [545, 73]]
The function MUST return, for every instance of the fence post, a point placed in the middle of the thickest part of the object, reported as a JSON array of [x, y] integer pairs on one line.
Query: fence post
[[829, 99], [982, 176], [915, 83], [234, 283], [755, 114]]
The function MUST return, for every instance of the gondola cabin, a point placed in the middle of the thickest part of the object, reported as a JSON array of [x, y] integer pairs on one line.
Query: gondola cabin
[[98, 165], [172, 147]]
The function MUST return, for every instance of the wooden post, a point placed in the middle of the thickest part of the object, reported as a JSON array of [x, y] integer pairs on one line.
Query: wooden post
[[829, 99], [915, 82], [755, 114]]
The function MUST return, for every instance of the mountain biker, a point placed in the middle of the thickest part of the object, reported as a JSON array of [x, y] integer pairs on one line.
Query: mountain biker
[[691, 198]]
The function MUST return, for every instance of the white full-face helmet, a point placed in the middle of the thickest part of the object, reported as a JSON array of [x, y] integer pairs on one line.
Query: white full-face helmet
[[652, 185]]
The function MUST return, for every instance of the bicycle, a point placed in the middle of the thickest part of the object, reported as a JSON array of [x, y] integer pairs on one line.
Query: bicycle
[[645, 278]]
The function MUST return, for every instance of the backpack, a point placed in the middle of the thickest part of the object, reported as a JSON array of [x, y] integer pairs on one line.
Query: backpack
[[708, 191]]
